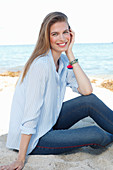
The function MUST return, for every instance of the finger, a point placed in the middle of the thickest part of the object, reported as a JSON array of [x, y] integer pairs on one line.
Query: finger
[[71, 31], [19, 168], [13, 166], [72, 37], [5, 167], [72, 34]]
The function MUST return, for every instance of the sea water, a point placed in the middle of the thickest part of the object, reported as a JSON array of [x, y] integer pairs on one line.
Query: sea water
[[95, 59]]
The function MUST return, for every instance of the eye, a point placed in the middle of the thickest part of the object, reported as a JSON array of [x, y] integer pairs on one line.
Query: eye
[[66, 32], [54, 34]]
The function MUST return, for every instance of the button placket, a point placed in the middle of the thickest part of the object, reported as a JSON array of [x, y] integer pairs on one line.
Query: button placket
[[58, 96]]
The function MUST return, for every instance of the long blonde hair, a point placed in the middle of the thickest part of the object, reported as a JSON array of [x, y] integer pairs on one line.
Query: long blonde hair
[[43, 43]]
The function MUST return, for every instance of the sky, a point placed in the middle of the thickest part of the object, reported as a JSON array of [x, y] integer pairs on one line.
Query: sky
[[20, 20]]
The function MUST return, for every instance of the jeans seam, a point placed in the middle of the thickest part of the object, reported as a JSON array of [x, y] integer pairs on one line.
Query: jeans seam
[[96, 112], [44, 147], [102, 115]]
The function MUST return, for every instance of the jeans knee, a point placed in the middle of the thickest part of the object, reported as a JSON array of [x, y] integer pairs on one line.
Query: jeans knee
[[92, 98], [104, 137], [98, 134]]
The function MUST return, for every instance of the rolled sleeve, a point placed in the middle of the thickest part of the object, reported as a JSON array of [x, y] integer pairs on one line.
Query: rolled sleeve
[[71, 80], [27, 131], [34, 92]]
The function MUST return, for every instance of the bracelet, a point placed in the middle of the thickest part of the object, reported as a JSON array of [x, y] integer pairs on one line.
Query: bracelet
[[73, 62]]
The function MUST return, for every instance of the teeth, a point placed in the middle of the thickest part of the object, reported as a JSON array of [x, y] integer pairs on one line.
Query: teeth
[[62, 44]]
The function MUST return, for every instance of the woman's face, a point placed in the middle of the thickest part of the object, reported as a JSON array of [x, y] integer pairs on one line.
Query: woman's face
[[59, 36]]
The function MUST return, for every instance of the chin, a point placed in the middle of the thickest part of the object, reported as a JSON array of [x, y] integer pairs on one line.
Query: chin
[[59, 50], [63, 50]]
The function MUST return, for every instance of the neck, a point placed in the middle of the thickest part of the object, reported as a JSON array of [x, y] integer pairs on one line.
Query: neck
[[56, 56]]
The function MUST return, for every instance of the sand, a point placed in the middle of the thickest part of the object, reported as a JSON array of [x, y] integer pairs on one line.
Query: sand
[[82, 159]]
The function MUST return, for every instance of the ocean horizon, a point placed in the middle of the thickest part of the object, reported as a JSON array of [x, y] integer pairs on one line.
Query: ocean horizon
[[96, 59]]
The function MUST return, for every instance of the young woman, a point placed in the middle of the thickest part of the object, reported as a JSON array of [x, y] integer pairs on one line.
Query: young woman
[[40, 120]]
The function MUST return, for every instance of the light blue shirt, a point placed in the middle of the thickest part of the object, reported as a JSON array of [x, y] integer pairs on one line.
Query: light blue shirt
[[38, 100]]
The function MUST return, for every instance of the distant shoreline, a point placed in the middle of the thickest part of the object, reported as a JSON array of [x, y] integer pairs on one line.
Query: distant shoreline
[[74, 43], [94, 58]]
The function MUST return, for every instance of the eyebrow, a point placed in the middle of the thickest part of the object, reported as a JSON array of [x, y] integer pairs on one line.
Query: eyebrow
[[57, 32]]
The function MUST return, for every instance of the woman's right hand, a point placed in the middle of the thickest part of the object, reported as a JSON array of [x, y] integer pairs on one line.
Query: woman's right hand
[[16, 165]]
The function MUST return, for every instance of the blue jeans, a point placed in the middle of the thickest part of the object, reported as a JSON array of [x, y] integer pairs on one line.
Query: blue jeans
[[61, 139]]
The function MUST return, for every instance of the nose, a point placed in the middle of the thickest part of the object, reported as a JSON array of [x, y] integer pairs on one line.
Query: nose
[[61, 37]]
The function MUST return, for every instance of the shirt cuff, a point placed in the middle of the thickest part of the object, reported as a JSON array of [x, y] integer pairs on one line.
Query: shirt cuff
[[74, 89], [73, 85], [27, 131]]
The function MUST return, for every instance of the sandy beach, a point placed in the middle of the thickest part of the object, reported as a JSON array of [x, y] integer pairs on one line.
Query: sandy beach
[[82, 159]]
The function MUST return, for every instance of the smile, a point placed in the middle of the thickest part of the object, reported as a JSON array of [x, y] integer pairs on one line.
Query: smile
[[62, 44]]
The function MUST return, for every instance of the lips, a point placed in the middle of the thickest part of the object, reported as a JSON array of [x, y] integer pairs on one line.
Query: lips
[[62, 44]]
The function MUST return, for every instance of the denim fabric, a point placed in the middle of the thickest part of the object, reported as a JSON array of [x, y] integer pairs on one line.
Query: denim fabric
[[62, 139]]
